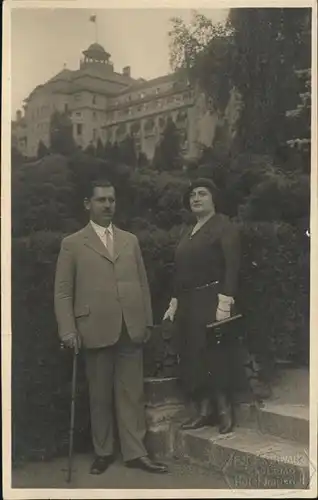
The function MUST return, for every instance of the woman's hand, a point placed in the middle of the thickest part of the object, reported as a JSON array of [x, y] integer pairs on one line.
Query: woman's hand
[[224, 307], [171, 311]]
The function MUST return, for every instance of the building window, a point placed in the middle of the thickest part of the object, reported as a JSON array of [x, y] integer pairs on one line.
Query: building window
[[94, 115], [79, 128], [94, 99], [66, 108], [94, 134], [78, 113]]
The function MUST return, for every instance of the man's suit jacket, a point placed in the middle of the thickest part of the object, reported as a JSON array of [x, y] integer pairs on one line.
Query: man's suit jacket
[[94, 291]]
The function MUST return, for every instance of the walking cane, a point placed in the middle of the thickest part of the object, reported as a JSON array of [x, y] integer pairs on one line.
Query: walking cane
[[71, 436]]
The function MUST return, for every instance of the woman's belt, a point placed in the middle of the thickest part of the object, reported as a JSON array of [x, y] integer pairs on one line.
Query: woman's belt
[[201, 287]]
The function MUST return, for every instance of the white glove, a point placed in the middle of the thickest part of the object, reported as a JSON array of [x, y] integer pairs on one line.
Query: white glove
[[224, 307], [171, 311]]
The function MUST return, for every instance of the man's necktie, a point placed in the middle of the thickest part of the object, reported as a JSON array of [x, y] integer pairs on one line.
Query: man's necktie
[[109, 242]]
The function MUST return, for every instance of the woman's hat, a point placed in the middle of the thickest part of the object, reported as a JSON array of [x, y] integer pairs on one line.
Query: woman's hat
[[201, 182]]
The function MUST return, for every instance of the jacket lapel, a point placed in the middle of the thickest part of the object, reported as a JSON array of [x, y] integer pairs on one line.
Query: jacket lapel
[[120, 242], [92, 240]]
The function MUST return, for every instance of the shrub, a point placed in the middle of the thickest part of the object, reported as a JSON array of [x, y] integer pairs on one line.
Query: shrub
[[47, 204], [274, 290], [278, 198]]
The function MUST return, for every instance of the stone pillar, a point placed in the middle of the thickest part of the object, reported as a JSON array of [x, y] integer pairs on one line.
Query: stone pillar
[[166, 408]]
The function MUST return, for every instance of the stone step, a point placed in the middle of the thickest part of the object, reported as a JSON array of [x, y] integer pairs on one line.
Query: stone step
[[288, 421], [246, 457], [162, 391]]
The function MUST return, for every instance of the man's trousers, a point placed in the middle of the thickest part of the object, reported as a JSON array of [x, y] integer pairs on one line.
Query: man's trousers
[[116, 373]]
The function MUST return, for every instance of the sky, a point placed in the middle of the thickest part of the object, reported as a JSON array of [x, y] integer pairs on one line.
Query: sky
[[44, 40]]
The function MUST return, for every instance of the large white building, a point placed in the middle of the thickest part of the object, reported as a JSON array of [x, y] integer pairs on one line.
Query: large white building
[[105, 104]]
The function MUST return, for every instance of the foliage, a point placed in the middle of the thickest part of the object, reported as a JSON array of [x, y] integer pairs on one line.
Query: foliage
[[255, 52], [279, 198], [203, 49], [100, 150], [143, 161], [267, 44], [167, 153], [300, 119], [127, 151], [42, 196], [47, 204], [274, 285], [255, 188], [43, 150], [61, 134], [90, 149]]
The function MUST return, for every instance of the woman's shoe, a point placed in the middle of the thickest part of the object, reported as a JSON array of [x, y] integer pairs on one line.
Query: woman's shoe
[[225, 414], [206, 417], [198, 422]]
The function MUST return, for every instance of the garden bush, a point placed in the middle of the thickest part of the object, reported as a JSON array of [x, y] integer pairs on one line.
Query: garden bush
[[273, 292]]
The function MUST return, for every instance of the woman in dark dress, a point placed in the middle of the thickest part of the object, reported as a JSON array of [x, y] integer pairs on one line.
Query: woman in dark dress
[[206, 271]]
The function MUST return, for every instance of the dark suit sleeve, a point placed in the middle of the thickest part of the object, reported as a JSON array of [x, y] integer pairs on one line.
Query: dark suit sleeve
[[64, 291], [231, 245], [144, 284]]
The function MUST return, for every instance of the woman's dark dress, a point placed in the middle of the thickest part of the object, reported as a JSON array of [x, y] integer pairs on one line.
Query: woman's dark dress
[[211, 254]]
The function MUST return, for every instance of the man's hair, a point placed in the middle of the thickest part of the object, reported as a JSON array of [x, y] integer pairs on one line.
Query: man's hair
[[97, 183]]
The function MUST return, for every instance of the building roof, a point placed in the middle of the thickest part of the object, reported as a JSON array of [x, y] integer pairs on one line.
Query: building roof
[[96, 50], [97, 47], [139, 85], [65, 74]]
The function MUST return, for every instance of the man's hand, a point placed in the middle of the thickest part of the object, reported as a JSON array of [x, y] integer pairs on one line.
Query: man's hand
[[72, 341], [224, 307]]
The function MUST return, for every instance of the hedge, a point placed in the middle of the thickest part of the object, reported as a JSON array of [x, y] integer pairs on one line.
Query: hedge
[[274, 295], [47, 204]]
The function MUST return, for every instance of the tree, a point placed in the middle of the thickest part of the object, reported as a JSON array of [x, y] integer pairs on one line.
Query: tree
[[127, 151], [202, 49], [300, 117], [167, 153], [255, 52], [61, 134], [90, 150], [100, 150], [108, 150], [115, 152], [142, 160], [265, 43], [43, 150]]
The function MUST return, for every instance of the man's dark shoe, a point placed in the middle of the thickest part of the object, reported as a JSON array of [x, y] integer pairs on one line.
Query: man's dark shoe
[[198, 422], [148, 465], [100, 464]]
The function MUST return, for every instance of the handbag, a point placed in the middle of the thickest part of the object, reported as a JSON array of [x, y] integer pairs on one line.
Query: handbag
[[226, 331]]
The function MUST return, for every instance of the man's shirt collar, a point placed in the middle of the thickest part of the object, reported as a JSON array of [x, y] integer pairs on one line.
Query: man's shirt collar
[[100, 230]]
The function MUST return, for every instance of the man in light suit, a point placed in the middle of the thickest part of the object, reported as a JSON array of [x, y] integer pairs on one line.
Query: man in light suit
[[102, 302]]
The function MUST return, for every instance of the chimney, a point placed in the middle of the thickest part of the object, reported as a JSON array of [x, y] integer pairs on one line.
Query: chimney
[[18, 115], [126, 71]]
